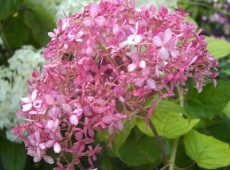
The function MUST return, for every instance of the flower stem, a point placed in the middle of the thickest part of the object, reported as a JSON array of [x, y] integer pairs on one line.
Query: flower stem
[[160, 141], [176, 141]]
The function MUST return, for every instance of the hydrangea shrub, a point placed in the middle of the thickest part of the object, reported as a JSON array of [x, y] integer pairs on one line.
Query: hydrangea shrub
[[103, 64]]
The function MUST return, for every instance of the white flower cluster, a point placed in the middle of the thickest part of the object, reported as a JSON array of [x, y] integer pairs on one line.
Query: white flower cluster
[[13, 83], [69, 7]]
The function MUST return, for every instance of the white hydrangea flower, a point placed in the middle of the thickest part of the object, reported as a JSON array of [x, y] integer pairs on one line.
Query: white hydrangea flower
[[69, 7], [13, 83]]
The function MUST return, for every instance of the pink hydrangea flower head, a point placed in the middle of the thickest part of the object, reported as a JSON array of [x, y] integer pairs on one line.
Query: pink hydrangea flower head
[[102, 64]]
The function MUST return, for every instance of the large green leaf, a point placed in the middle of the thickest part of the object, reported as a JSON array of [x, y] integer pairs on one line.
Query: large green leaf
[[40, 23], [13, 155], [209, 103], [8, 7], [219, 48], [140, 149], [16, 32], [120, 137], [168, 121], [207, 151]]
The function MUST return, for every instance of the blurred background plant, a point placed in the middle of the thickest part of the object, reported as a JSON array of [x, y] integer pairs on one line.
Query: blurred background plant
[[24, 25]]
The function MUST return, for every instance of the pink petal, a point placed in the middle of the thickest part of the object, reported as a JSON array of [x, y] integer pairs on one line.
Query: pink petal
[[34, 95], [49, 99], [93, 10], [137, 39], [139, 81], [57, 148], [49, 143], [78, 111], [49, 124], [37, 159], [142, 64], [48, 159], [32, 112], [163, 54], [107, 119], [132, 67], [42, 146], [51, 34], [26, 107], [151, 83], [73, 119], [88, 21], [167, 35], [26, 100], [67, 108], [100, 20], [116, 29], [37, 136], [157, 41], [119, 125]]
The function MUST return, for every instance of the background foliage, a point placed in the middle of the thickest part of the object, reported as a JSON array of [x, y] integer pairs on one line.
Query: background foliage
[[206, 114]]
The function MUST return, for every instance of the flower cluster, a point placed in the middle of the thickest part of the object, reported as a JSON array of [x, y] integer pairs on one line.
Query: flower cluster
[[102, 65], [13, 83]]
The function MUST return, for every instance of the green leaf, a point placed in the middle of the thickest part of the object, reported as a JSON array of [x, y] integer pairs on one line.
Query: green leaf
[[13, 155], [207, 151], [221, 129], [140, 149], [40, 23], [8, 7], [227, 110], [16, 32], [168, 121], [209, 103], [218, 48], [120, 136]]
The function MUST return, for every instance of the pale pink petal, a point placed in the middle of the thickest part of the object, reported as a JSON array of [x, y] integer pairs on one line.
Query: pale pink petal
[[163, 54], [34, 95], [88, 21], [100, 20], [32, 112], [130, 38], [26, 100], [49, 124], [151, 83], [139, 81], [48, 159], [78, 111], [37, 159], [167, 35], [142, 64], [49, 143], [51, 34], [57, 148], [119, 125], [116, 28], [26, 107], [132, 67], [157, 41], [37, 136], [42, 146], [107, 119], [137, 39], [73, 119], [49, 99], [93, 10], [67, 108]]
